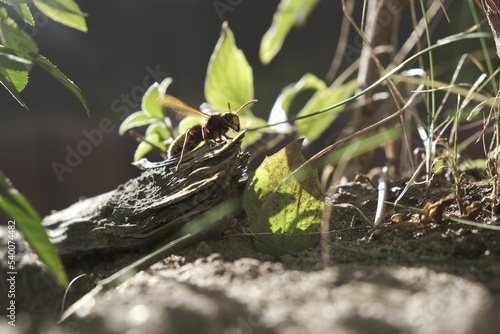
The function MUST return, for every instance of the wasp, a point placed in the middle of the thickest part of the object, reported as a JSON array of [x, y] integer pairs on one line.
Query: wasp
[[215, 128]]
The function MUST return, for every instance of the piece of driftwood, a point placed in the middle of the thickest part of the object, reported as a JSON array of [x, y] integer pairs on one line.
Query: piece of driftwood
[[148, 208]]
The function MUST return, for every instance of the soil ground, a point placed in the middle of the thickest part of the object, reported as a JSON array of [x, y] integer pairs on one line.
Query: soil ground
[[406, 276]]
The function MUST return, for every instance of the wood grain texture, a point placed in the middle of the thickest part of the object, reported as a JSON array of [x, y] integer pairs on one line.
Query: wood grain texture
[[146, 209]]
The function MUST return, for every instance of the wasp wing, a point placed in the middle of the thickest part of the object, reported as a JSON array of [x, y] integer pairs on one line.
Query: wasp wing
[[181, 108], [208, 109]]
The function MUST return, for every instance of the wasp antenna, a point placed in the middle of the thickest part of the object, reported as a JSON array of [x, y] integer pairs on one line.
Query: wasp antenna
[[229, 107], [244, 105]]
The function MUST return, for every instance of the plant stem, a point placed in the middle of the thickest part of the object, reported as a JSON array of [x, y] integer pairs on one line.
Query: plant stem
[[430, 116], [483, 44]]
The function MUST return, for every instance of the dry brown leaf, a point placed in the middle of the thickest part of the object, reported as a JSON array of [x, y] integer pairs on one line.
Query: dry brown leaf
[[433, 212]]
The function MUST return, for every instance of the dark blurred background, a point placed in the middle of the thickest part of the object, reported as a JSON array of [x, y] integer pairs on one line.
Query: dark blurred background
[[125, 39]]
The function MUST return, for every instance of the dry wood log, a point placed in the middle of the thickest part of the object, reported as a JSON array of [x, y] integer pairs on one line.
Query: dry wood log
[[146, 209]]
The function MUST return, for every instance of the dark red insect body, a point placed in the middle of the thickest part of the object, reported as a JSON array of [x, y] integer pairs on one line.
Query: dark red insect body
[[215, 128]]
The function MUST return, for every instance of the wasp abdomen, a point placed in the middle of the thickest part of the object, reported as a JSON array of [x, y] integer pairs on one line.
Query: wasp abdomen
[[194, 137]]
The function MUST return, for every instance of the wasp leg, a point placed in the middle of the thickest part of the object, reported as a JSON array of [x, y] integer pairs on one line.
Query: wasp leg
[[207, 137], [187, 137]]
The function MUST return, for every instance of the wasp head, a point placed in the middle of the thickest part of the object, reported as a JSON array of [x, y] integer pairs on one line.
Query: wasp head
[[231, 120]]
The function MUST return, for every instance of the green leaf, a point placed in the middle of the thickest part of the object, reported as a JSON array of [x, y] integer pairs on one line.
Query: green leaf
[[229, 76], [28, 222], [134, 120], [293, 213], [12, 36], [156, 140], [19, 79], [56, 73], [65, 12], [144, 147], [20, 58], [14, 68], [188, 122], [363, 145], [9, 58], [308, 81], [282, 105], [472, 164], [160, 129], [11, 89], [141, 150], [323, 98], [150, 104], [289, 13], [22, 9], [162, 88]]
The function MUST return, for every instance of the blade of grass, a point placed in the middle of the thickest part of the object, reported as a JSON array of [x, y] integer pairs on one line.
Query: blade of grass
[[27, 220], [439, 44], [431, 116], [483, 44]]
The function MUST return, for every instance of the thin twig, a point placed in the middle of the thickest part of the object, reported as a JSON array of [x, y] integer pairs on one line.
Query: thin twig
[[382, 194], [342, 43]]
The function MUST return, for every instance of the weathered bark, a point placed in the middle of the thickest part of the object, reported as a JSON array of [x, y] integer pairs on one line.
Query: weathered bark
[[146, 209]]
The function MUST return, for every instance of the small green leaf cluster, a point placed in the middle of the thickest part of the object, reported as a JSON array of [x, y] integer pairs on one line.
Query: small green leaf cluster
[[19, 52], [159, 128], [229, 80]]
